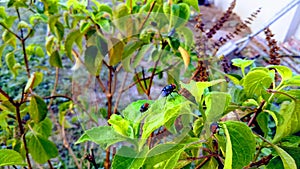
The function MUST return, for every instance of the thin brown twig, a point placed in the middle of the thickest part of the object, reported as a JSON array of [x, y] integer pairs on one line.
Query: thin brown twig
[[279, 92], [153, 74], [256, 112], [120, 93], [7, 96], [23, 46], [54, 87], [27, 36], [135, 82], [67, 145], [142, 87], [203, 162], [147, 17], [101, 84], [50, 165], [22, 132], [10, 31]]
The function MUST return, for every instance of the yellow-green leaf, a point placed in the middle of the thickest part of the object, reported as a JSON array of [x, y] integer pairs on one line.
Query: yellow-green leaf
[[38, 109], [185, 56], [116, 48], [55, 59]]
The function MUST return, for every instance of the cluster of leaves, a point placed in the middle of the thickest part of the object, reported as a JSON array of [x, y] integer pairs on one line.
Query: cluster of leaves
[[234, 144]]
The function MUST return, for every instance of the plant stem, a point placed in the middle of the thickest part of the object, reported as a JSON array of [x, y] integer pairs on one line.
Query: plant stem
[[18, 113], [279, 92], [147, 17], [24, 46], [257, 112], [50, 165], [142, 87], [135, 82], [67, 145], [10, 31], [120, 93], [7, 96]]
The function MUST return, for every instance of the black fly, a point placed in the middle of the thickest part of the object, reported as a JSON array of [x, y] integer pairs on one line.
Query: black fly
[[167, 90]]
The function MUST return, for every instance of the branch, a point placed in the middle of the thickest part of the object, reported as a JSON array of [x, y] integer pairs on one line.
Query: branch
[[57, 96], [135, 82], [120, 93], [140, 83], [256, 113], [10, 31], [263, 161], [23, 46], [147, 17], [7, 96], [18, 113], [279, 92]]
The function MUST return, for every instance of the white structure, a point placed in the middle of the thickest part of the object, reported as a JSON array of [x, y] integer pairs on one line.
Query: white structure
[[284, 28]]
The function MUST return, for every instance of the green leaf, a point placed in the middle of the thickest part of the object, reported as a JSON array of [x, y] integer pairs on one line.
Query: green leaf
[[184, 14], [59, 30], [120, 12], [104, 24], [49, 45], [275, 163], [105, 8], [131, 47], [40, 148], [216, 103], [2, 12], [188, 36], [11, 62], [293, 152], [44, 127], [70, 39], [23, 24], [198, 126], [233, 78], [164, 155], [10, 157], [228, 150], [9, 38], [242, 63], [116, 48], [55, 59], [38, 109], [262, 120], [102, 135], [242, 140], [35, 79], [121, 125], [193, 3], [141, 54], [39, 51], [2, 47], [133, 115], [291, 117], [294, 81], [287, 160], [197, 88], [84, 26], [93, 60], [257, 82], [285, 72], [127, 158]]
